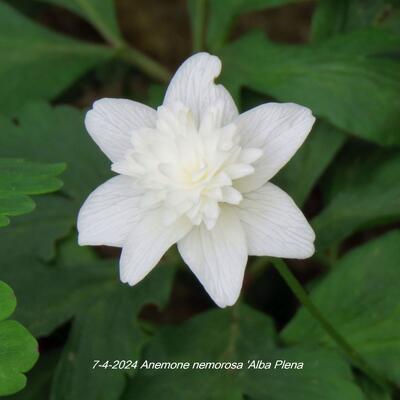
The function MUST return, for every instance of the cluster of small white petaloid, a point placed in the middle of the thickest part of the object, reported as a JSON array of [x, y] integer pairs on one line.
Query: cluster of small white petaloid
[[188, 169]]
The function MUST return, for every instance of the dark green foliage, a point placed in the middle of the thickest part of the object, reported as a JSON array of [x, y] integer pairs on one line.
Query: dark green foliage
[[345, 177]]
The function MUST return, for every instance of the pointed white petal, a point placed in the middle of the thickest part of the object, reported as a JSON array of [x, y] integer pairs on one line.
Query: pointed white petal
[[236, 171], [218, 257], [108, 214], [112, 122], [146, 244], [231, 195], [193, 85], [278, 130], [250, 155], [274, 225]]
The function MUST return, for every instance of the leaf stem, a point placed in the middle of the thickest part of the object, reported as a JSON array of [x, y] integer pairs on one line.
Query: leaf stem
[[199, 20], [146, 64], [126, 52], [303, 297]]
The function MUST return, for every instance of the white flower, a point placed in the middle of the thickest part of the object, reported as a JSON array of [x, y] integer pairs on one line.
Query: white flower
[[196, 173]]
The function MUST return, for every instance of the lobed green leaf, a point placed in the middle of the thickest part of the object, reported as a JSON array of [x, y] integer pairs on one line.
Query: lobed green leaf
[[20, 178]]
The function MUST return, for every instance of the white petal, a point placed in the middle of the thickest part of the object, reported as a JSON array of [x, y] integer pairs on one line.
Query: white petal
[[146, 244], [236, 171], [193, 85], [274, 225], [112, 122], [279, 130], [218, 257], [231, 195], [248, 156], [108, 214]]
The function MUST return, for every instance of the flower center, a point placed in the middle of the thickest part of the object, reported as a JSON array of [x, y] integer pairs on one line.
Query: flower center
[[188, 169]]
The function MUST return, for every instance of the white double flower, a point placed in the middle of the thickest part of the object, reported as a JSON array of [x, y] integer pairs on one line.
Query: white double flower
[[195, 172]]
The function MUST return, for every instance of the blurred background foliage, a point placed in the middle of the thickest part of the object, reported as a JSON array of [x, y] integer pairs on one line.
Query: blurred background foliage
[[341, 58]]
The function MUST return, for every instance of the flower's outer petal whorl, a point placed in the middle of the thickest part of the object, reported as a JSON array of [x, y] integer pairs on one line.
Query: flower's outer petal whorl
[[148, 241], [274, 225], [218, 257], [279, 130], [108, 214], [112, 122], [193, 85]]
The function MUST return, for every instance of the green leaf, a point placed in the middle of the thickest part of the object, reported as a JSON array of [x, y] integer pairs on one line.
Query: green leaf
[[20, 178], [100, 13], [366, 194], [8, 301], [108, 329], [68, 253], [36, 63], [299, 176], [39, 378], [334, 78], [360, 298], [238, 334], [337, 16], [68, 289], [18, 349], [14, 205], [53, 219], [47, 134], [24, 177], [222, 14], [62, 131]]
